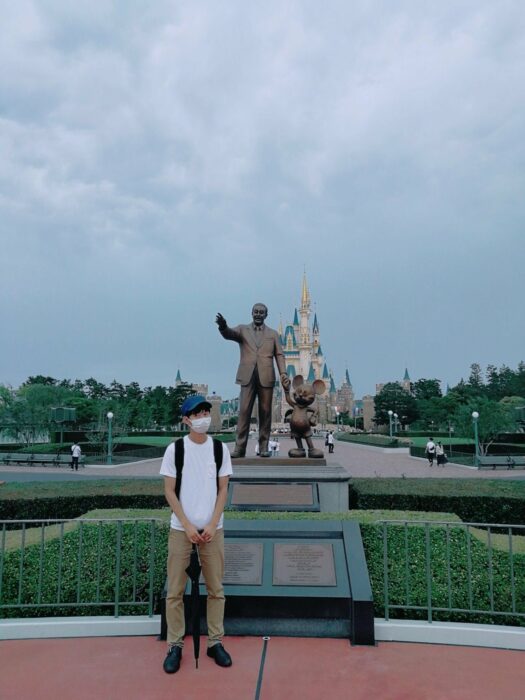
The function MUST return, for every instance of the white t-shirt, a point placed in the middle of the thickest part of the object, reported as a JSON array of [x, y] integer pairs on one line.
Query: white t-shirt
[[198, 489], [431, 447], [76, 451]]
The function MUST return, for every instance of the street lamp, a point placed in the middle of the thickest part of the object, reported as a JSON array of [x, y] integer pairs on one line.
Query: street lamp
[[475, 416], [109, 416], [395, 422], [390, 414]]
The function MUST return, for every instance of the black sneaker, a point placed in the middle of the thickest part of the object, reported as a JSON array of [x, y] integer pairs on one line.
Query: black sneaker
[[172, 660], [221, 656]]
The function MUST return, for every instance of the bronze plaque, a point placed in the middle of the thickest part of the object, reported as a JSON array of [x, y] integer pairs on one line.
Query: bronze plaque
[[272, 495], [303, 565], [243, 562]]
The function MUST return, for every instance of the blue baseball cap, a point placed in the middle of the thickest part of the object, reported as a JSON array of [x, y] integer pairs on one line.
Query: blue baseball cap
[[192, 402]]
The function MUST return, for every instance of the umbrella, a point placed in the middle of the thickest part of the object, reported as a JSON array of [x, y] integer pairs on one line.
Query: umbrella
[[193, 570]]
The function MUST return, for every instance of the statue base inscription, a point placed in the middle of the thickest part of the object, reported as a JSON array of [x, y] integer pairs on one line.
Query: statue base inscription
[[303, 565]]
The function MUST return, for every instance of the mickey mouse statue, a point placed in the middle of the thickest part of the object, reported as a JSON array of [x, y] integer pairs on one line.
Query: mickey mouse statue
[[302, 417]]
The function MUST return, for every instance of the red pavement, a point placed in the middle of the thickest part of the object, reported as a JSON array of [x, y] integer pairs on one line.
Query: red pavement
[[130, 668]]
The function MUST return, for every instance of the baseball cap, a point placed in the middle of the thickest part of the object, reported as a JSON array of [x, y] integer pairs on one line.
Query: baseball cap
[[192, 402]]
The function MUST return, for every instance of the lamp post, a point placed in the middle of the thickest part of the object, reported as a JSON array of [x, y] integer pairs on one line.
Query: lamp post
[[475, 416], [390, 414], [109, 416], [395, 422]]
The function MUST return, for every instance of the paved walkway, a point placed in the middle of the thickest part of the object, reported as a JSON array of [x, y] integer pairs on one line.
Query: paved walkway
[[130, 668], [359, 460]]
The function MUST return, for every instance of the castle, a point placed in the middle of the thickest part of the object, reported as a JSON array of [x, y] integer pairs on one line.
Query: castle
[[303, 354]]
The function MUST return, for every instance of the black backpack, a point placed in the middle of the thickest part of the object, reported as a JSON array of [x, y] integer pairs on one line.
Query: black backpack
[[179, 461]]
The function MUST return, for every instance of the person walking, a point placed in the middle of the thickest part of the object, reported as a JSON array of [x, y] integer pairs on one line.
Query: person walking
[[75, 456], [440, 454], [196, 472], [430, 451], [330, 439]]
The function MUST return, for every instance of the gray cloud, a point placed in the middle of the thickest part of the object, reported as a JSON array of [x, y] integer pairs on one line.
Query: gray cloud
[[162, 163]]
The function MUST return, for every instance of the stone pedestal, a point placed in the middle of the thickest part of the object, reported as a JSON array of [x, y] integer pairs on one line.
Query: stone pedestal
[[331, 482]]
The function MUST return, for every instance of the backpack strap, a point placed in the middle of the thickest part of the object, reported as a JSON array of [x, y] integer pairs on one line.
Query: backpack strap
[[217, 456], [179, 461]]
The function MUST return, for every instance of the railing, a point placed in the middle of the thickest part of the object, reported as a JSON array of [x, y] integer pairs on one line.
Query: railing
[[81, 567], [453, 571]]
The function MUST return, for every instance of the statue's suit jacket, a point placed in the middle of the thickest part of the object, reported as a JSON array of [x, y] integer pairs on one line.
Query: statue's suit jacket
[[253, 356]]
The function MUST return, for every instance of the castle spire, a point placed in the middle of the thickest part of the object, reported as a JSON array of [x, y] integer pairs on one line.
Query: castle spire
[[305, 296]]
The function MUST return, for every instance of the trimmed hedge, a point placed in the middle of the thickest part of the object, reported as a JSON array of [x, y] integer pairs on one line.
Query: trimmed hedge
[[71, 499], [373, 440], [78, 582], [406, 559], [473, 500], [482, 501]]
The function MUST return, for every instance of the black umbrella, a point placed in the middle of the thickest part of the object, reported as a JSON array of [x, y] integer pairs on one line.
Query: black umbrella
[[194, 571]]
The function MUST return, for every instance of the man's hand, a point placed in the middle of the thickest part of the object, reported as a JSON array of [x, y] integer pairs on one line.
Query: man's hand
[[221, 322], [193, 534], [208, 533], [285, 381]]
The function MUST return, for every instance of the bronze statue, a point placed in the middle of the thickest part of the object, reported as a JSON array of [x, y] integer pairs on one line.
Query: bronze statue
[[259, 347], [303, 417]]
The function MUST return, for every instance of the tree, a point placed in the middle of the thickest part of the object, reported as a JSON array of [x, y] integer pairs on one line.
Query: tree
[[425, 389], [494, 418], [394, 398]]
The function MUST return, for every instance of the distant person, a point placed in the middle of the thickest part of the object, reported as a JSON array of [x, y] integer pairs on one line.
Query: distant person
[[75, 456], [441, 456], [273, 446], [330, 439], [257, 451], [277, 447], [430, 451]]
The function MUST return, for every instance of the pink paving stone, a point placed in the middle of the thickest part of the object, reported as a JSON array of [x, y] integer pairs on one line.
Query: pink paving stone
[[130, 668]]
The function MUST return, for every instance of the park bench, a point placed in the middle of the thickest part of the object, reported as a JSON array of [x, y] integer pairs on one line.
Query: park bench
[[57, 460], [501, 462]]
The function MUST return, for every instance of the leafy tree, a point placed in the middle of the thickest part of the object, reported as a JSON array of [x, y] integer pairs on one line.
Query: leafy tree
[[394, 398], [425, 389], [494, 418]]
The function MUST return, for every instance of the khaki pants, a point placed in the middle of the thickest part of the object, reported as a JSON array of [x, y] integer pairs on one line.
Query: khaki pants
[[212, 562]]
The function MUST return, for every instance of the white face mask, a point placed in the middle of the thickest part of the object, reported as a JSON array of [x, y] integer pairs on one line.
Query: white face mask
[[201, 425]]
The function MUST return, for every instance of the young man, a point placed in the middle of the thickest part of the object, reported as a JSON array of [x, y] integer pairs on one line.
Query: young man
[[430, 451], [75, 456], [197, 517]]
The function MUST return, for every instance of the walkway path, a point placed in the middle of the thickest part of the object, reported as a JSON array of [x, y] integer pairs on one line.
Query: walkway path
[[130, 668], [359, 460]]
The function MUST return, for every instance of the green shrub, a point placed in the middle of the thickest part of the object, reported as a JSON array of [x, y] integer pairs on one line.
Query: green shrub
[[373, 440], [90, 578], [407, 580], [482, 501]]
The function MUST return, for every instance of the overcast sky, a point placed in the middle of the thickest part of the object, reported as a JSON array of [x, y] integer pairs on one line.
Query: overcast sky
[[162, 161]]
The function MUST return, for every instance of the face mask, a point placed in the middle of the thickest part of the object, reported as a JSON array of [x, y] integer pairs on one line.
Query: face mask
[[201, 425]]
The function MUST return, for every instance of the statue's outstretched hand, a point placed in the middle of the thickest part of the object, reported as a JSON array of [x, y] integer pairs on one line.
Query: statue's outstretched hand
[[285, 381], [221, 322]]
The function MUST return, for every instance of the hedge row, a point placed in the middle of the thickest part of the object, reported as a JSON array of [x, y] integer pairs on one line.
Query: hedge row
[[91, 578], [482, 501], [374, 440], [407, 580]]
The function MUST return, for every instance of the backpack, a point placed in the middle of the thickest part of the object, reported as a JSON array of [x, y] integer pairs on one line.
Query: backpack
[[179, 461]]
